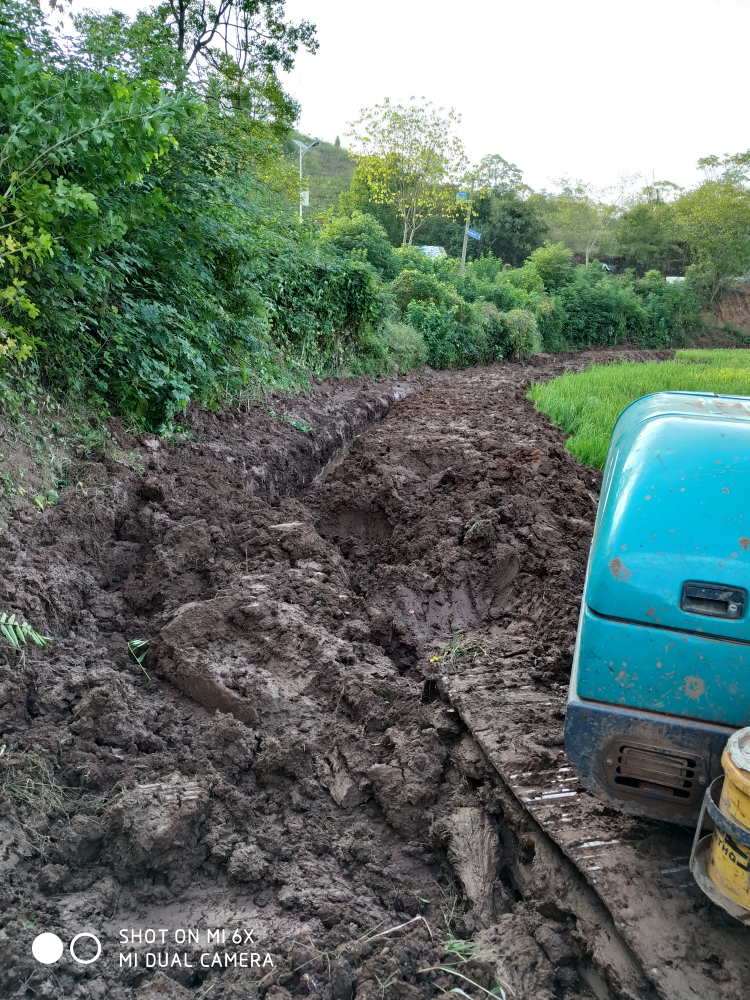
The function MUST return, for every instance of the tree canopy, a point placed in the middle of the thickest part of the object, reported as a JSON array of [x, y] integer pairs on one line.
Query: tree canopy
[[234, 51], [408, 156], [714, 221]]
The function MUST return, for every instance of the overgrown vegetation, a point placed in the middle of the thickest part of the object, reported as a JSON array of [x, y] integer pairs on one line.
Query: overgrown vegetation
[[587, 405], [151, 253]]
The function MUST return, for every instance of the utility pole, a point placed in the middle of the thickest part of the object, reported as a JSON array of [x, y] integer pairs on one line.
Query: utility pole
[[468, 221], [302, 150]]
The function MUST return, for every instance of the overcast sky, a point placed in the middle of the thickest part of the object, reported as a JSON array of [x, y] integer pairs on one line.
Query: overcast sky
[[587, 89]]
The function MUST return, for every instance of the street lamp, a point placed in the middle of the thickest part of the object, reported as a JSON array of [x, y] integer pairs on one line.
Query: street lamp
[[302, 150], [468, 221]]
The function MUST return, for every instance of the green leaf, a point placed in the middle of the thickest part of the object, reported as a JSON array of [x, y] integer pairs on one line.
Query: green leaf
[[10, 636]]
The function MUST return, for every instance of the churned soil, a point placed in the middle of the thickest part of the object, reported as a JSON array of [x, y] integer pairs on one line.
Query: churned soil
[[285, 767]]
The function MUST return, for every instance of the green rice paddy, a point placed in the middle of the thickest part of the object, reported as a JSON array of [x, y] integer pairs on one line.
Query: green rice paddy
[[587, 405]]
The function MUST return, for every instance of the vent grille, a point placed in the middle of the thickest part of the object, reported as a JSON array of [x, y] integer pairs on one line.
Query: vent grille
[[655, 772]]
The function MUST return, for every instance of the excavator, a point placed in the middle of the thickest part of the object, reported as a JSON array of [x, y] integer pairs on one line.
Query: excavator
[[661, 668], [658, 700]]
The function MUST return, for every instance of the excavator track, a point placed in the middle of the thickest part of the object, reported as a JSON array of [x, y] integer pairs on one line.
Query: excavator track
[[638, 868]]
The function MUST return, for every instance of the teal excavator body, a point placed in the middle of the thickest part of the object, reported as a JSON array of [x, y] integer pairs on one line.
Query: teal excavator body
[[661, 669]]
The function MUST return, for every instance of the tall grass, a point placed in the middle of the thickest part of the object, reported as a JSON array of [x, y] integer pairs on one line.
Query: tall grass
[[587, 405]]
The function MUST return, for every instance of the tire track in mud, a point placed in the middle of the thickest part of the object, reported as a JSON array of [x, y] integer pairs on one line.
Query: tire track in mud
[[289, 763]]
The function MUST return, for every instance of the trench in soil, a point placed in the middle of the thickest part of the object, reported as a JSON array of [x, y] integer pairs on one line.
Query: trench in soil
[[286, 759]]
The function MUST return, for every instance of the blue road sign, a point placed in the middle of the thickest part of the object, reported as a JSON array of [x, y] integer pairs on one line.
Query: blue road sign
[[474, 234], [462, 196]]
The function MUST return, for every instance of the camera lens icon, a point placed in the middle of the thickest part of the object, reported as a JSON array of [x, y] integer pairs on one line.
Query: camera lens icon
[[91, 937], [47, 948]]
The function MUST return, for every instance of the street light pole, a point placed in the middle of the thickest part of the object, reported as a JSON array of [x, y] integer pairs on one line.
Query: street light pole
[[302, 150], [468, 222]]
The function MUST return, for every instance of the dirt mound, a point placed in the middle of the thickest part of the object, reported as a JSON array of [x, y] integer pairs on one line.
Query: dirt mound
[[281, 768], [733, 308]]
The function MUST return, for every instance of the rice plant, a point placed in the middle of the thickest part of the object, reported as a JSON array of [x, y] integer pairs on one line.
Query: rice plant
[[587, 404]]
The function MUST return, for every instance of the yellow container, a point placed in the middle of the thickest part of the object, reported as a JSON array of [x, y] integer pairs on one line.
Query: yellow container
[[728, 864]]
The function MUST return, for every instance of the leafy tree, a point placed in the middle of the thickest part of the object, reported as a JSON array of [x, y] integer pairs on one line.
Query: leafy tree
[[236, 46], [407, 156], [255, 91], [581, 218], [730, 167], [511, 226], [23, 23], [66, 139], [554, 265], [141, 49], [714, 221], [658, 192], [495, 174], [359, 197], [647, 238], [252, 32]]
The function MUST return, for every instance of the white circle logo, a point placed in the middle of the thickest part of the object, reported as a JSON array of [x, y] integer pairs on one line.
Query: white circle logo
[[47, 948], [86, 961]]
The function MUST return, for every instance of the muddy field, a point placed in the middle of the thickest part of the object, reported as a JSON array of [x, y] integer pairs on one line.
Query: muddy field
[[287, 766]]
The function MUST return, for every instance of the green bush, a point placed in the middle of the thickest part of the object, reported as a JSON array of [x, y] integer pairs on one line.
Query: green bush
[[421, 286], [454, 336], [591, 308], [495, 330], [551, 320], [207, 295], [670, 309], [526, 279], [392, 347], [503, 294], [407, 347], [522, 333], [363, 235], [412, 259], [155, 267], [553, 262], [485, 268], [595, 309]]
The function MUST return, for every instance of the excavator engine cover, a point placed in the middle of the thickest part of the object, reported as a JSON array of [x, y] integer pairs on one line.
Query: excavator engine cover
[[661, 669]]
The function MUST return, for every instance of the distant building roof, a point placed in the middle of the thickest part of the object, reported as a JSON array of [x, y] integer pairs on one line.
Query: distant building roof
[[672, 278], [434, 251]]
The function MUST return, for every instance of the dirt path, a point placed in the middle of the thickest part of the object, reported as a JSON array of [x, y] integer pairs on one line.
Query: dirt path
[[287, 766]]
